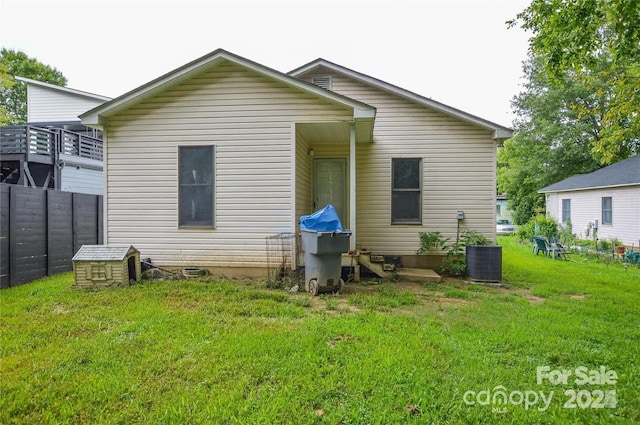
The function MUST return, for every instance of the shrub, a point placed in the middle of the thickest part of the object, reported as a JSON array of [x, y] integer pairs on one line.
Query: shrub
[[566, 233], [454, 262], [539, 225], [472, 237], [431, 241], [604, 245]]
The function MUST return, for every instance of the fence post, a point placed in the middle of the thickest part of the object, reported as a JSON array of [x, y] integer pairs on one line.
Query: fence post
[[49, 234], [12, 236], [63, 233], [74, 215]]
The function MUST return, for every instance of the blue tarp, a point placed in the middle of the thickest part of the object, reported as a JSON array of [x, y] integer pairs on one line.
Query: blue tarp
[[324, 220]]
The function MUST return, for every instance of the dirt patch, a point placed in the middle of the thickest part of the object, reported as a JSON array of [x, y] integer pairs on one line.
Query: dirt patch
[[60, 309], [534, 299], [578, 296], [453, 302]]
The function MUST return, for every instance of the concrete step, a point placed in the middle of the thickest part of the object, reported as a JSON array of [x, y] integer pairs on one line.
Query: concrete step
[[418, 275]]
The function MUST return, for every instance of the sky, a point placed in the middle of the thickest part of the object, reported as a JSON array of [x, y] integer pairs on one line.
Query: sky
[[457, 52]]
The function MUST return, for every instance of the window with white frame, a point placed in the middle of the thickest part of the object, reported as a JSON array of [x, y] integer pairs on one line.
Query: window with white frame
[[406, 191], [607, 210], [566, 210], [196, 186]]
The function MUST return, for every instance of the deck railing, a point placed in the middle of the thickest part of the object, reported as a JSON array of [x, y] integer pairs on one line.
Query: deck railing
[[79, 145], [28, 139]]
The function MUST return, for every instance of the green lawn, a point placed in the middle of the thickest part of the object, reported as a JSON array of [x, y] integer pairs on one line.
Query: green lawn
[[221, 351]]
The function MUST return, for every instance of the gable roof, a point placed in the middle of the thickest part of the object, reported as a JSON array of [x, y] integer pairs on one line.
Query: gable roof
[[95, 116], [63, 89], [500, 132], [623, 173], [104, 252]]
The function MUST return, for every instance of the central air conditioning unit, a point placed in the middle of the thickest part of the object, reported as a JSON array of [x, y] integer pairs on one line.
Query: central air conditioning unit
[[484, 263]]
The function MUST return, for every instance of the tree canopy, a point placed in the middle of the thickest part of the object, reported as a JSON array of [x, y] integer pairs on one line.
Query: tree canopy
[[13, 94], [552, 139], [580, 107], [572, 37]]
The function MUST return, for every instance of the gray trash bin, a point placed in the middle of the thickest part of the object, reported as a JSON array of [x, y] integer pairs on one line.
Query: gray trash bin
[[323, 259]]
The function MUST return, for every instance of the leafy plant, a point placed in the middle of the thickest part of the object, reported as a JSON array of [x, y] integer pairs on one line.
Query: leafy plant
[[604, 245], [454, 262], [566, 233], [431, 241], [473, 237], [616, 242], [538, 225]]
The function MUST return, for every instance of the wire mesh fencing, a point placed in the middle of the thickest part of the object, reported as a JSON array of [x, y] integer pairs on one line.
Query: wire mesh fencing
[[282, 260]]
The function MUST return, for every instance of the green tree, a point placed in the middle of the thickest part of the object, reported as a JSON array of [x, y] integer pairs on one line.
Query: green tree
[[13, 94], [572, 36], [552, 139], [8, 82]]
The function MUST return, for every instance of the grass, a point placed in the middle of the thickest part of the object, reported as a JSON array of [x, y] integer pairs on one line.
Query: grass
[[220, 351]]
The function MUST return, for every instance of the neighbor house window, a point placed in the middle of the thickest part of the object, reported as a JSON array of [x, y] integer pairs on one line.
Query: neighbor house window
[[566, 210], [607, 210], [498, 209], [406, 191], [195, 181]]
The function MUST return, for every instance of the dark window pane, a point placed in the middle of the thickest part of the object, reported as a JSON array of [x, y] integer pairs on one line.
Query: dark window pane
[[405, 207], [196, 165], [196, 205], [607, 210], [406, 173], [566, 210]]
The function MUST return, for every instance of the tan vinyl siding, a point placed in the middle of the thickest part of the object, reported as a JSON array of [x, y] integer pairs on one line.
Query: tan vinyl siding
[[458, 165], [248, 118], [586, 206], [304, 192], [48, 105]]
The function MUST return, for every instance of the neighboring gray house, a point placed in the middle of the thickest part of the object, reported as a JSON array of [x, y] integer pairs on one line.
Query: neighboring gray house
[[208, 160], [54, 150], [608, 198]]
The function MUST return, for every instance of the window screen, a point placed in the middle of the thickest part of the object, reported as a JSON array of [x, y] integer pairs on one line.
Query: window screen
[[406, 191], [566, 210], [607, 210], [196, 191]]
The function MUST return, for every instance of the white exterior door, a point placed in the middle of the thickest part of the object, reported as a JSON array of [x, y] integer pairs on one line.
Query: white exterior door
[[330, 186]]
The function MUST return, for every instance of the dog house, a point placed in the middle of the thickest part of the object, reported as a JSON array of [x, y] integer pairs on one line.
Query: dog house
[[106, 265]]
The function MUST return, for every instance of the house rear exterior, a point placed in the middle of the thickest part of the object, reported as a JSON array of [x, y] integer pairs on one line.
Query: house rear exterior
[[608, 198], [54, 150], [207, 161]]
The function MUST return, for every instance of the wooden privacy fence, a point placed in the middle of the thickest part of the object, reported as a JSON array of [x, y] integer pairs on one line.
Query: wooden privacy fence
[[40, 230]]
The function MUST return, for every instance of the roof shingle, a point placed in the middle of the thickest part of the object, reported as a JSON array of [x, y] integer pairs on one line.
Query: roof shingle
[[623, 173]]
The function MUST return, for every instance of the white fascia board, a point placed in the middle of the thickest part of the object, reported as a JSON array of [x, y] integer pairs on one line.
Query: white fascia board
[[366, 113], [200, 65], [500, 132], [582, 189], [145, 91], [63, 89]]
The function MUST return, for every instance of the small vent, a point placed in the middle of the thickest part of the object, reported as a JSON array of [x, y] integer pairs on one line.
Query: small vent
[[324, 82]]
